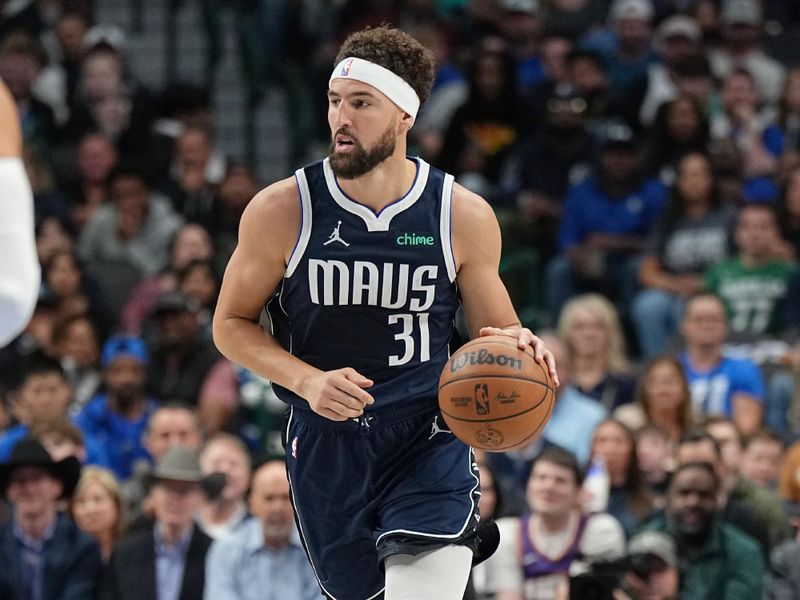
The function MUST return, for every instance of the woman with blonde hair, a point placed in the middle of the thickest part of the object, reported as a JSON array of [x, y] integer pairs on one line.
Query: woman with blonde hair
[[590, 327], [97, 507], [662, 398]]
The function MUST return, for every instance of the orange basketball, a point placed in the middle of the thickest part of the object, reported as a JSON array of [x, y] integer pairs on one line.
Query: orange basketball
[[495, 396]]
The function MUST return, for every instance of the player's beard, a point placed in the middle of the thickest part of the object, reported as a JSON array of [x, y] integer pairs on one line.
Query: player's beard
[[360, 161]]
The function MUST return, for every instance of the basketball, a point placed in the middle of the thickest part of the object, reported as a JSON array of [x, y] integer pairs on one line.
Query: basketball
[[494, 396]]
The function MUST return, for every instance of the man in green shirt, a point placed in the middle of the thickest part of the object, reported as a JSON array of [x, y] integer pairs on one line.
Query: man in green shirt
[[716, 561], [753, 285]]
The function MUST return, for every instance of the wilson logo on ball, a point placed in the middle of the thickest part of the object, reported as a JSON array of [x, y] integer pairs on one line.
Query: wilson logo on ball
[[483, 357]]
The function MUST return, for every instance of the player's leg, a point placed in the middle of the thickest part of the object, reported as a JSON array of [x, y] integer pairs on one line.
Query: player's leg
[[439, 574]]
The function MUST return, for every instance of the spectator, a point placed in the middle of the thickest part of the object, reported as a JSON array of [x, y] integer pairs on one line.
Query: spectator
[[662, 399], [96, 159], [783, 581], [492, 504], [677, 38], [196, 176], [720, 563], [573, 18], [661, 580], [180, 358], [521, 24], [720, 385], [762, 459], [754, 285], [234, 194], [21, 59], [764, 502], [190, 243], [46, 556], [483, 130], [136, 227], [589, 325], [225, 513], [655, 454], [98, 508], [118, 417], [605, 223], [200, 281], [43, 397], [538, 550], [167, 560], [110, 101], [628, 499], [788, 120], [741, 48], [77, 346], [691, 235], [700, 446], [680, 129], [61, 438], [172, 424], [262, 558]]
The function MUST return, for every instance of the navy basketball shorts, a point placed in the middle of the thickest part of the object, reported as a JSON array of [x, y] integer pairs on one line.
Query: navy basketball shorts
[[391, 482]]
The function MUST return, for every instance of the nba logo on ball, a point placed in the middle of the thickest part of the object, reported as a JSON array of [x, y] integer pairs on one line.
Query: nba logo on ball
[[495, 396]]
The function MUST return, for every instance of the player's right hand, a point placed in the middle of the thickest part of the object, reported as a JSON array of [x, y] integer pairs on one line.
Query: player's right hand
[[337, 395]]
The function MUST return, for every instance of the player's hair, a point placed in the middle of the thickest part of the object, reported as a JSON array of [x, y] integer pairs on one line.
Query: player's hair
[[561, 457], [394, 50]]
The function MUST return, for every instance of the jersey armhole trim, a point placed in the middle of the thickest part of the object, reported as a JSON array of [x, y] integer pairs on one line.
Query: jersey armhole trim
[[305, 222], [446, 227]]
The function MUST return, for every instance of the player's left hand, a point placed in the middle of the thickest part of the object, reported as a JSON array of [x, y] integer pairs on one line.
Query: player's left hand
[[526, 339]]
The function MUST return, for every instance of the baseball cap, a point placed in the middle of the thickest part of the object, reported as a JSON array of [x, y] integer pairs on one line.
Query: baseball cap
[[678, 26], [172, 302], [745, 12], [525, 6], [655, 543], [124, 345], [631, 9], [616, 134]]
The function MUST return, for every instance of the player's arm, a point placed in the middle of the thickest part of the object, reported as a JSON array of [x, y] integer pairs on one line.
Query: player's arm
[[268, 232], [19, 267], [487, 305]]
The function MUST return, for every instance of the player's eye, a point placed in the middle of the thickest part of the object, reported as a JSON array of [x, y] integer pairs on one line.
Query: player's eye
[[334, 102]]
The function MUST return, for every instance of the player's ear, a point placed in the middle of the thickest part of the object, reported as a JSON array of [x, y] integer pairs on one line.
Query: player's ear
[[406, 121]]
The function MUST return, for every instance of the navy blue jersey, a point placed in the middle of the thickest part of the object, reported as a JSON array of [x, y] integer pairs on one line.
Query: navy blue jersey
[[375, 292]]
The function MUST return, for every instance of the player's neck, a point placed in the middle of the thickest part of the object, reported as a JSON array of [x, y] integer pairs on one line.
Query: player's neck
[[384, 184]]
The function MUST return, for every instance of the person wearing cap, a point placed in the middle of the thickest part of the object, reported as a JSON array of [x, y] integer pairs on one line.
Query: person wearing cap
[[627, 52], [165, 561], [118, 415], [263, 558], [181, 357], [677, 38], [522, 28], [742, 22], [717, 560], [655, 573], [44, 554], [369, 254], [605, 224]]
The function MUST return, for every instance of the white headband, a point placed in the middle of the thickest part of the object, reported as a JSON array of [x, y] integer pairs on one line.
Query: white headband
[[389, 84]]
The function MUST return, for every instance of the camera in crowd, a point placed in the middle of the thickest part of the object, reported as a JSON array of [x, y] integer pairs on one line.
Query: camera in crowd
[[648, 553]]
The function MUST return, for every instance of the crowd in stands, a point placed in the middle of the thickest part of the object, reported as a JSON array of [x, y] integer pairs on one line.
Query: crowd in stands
[[643, 159]]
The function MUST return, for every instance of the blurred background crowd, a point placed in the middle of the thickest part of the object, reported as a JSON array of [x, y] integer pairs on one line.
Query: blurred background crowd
[[643, 158]]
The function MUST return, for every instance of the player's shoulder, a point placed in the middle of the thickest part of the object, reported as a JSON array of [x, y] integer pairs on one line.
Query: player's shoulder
[[469, 208], [275, 198]]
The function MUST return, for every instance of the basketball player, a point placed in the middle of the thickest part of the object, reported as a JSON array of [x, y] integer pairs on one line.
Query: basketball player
[[19, 267], [367, 256]]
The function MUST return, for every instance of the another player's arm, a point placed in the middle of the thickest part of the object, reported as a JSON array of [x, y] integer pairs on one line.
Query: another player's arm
[[19, 267], [487, 305], [267, 234]]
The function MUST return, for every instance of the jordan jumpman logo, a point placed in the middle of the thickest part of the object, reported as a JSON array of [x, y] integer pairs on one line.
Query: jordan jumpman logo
[[436, 429], [335, 237]]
